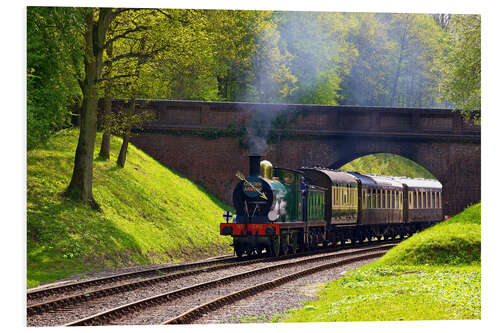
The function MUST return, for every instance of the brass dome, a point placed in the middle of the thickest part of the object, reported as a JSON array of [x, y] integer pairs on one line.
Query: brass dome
[[266, 170]]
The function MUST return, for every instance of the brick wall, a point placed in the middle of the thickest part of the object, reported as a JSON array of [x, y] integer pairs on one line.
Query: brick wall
[[440, 141]]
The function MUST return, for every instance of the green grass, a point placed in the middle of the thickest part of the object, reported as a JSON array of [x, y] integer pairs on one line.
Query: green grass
[[151, 214], [389, 165], [434, 275]]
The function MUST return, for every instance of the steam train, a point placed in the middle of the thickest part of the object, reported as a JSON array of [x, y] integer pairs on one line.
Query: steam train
[[281, 211]]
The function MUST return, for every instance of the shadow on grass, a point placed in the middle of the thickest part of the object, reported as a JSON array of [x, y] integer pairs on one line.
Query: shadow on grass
[[67, 237]]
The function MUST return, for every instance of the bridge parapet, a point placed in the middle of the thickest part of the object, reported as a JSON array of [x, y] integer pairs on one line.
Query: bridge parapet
[[315, 119]]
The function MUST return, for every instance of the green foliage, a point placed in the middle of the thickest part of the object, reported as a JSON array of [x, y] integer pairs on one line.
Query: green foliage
[[320, 55], [150, 214], [389, 165], [462, 67], [433, 275], [367, 81], [237, 55], [54, 51]]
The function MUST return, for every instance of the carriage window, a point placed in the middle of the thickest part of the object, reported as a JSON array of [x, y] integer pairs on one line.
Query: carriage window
[[337, 196]]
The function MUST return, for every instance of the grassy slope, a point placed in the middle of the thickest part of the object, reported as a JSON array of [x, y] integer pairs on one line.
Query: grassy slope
[[389, 165], [434, 275], [150, 214]]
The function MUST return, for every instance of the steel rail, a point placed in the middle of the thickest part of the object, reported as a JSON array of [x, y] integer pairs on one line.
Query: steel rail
[[196, 312], [39, 293], [115, 313]]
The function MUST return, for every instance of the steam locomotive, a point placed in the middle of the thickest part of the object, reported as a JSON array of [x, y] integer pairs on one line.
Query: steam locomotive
[[281, 211]]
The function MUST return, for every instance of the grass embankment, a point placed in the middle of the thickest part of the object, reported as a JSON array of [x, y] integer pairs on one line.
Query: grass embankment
[[389, 165], [433, 275], [150, 214]]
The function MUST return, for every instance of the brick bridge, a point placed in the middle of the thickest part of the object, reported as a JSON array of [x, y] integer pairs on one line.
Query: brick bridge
[[201, 141]]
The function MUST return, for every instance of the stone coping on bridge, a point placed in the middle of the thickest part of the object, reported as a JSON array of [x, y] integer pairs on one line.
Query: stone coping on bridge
[[252, 106], [323, 120]]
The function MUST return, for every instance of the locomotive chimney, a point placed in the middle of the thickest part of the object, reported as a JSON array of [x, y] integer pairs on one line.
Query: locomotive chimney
[[254, 163]]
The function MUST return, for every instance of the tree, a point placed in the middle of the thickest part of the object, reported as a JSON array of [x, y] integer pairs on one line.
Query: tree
[[461, 69], [365, 84], [54, 54], [271, 79], [418, 44], [320, 56], [234, 34], [96, 26]]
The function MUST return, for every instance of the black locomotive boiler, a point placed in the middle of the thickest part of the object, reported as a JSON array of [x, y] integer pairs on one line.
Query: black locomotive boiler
[[281, 210]]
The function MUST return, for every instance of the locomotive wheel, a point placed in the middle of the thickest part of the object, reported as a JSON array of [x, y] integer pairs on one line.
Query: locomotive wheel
[[284, 245], [274, 248], [239, 252], [292, 247]]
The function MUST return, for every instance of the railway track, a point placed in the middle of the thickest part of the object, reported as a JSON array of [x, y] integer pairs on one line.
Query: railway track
[[50, 298], [43, 292], [218, 292]]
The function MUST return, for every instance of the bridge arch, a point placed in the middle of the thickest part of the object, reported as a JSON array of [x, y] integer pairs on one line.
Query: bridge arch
[[413, 165]]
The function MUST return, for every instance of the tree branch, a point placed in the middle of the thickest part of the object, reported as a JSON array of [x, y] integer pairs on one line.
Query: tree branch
[[125, 33]]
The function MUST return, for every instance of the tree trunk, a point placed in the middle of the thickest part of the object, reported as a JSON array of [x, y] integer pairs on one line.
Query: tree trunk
[[122, 157], [106, 122], [106, 135], [80, 186], [398, 69]]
